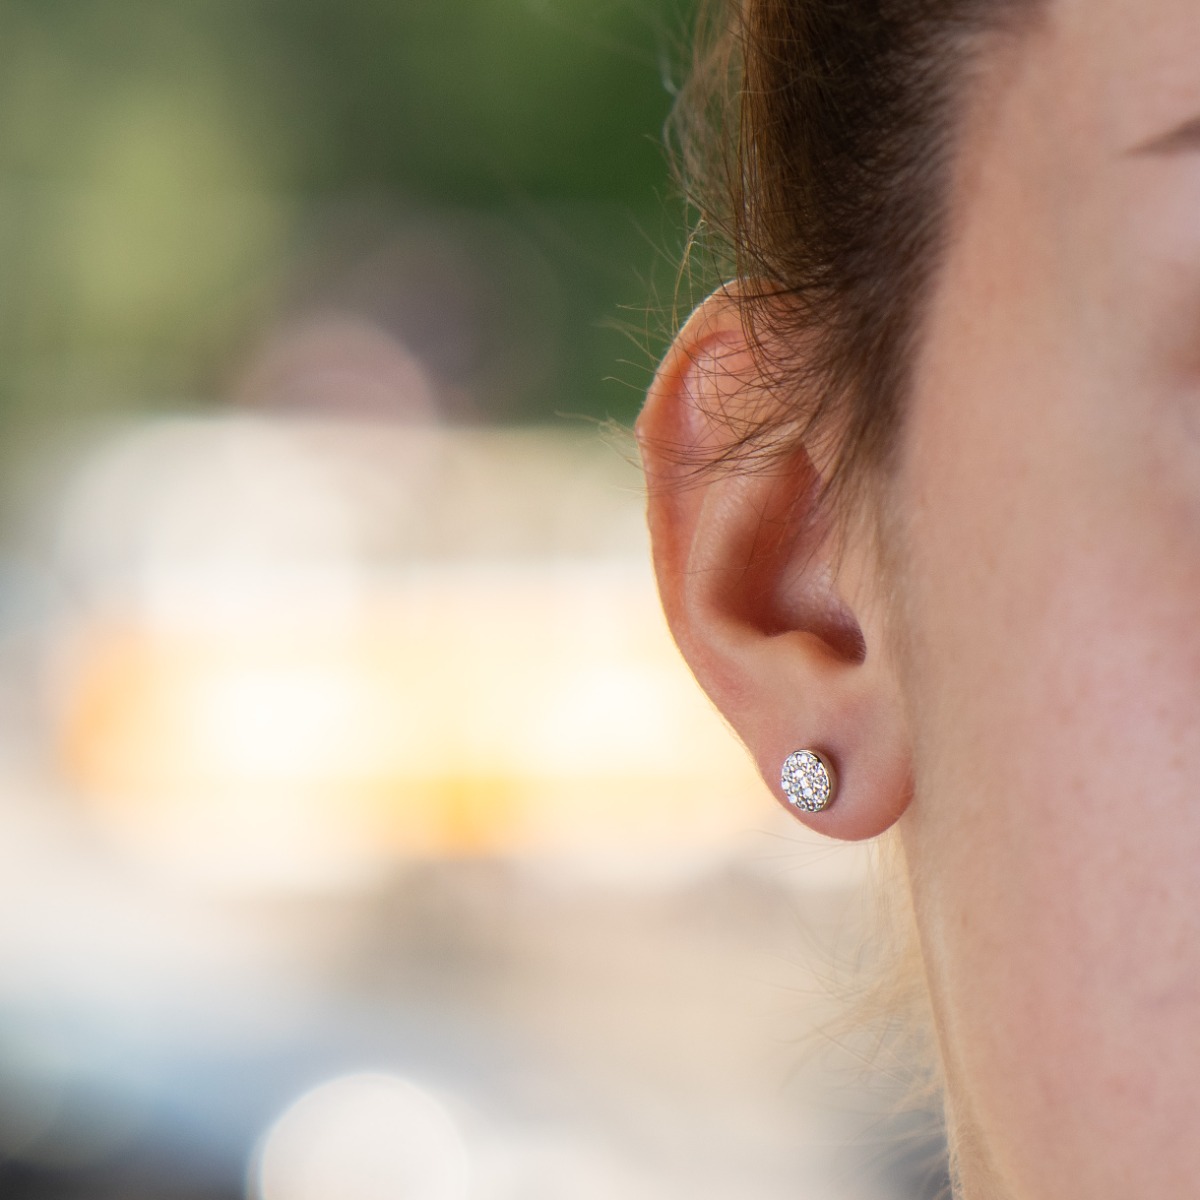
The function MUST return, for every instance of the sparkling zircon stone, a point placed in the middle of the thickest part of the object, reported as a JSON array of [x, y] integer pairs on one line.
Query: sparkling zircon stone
[[806, 781]]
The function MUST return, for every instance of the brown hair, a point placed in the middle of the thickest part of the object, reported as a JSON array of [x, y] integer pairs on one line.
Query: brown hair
[[814, 141]]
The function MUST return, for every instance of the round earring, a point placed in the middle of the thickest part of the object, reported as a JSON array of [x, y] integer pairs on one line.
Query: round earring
[[808, 781]]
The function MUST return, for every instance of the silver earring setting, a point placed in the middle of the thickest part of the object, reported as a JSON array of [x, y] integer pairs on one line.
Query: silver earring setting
[[808, 781]]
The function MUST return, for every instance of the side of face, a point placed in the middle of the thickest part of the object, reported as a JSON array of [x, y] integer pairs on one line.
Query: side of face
[[1026, 696], [1050, 504]]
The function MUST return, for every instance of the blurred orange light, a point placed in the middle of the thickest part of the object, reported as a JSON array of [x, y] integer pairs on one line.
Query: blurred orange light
[[462, 713]]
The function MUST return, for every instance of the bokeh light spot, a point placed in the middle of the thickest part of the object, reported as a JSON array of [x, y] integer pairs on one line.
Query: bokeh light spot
[[362, 1137]]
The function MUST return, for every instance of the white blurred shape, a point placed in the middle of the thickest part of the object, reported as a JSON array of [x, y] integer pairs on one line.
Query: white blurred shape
[[207, 519], [260, 722], [362, 1137], [630, 700]]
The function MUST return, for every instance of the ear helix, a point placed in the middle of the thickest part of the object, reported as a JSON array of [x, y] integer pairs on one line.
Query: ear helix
[[808, 781]]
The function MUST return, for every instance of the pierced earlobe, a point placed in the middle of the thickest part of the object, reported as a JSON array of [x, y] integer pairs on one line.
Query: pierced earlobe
[[808, 781]]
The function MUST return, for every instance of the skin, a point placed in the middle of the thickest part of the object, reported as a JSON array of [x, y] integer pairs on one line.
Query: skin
[[1027, 706]]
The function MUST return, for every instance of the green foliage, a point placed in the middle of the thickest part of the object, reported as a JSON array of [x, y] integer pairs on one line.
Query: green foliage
[[170, 170]]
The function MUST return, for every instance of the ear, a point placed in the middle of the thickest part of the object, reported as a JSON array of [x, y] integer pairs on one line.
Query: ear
[[784, 628]]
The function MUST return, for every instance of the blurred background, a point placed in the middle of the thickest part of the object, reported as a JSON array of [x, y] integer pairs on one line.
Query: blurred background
[[361, 834]]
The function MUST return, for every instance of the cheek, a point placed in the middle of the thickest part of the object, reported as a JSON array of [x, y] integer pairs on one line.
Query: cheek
[[1053, 668]]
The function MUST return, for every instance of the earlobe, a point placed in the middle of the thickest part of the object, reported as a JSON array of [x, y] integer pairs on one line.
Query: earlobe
[[782, 627]]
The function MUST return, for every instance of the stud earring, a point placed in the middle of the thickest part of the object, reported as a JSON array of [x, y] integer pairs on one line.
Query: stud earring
[[808, 781]]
